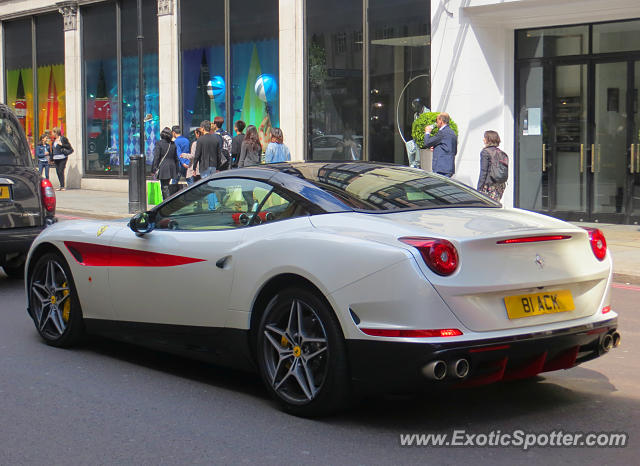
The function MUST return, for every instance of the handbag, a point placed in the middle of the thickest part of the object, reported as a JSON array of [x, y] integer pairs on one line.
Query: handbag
[[155, 174], [66, 148]]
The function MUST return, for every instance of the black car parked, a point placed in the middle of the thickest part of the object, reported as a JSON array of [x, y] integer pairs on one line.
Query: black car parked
[[27, 201]]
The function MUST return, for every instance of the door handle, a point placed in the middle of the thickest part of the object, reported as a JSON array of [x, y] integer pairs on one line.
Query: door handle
[[581, 158], [222, 262], [632, 167], [593, 158], [544, 157]]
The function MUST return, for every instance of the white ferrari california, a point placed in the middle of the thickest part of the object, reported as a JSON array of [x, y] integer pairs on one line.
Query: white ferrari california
[[330, 278]]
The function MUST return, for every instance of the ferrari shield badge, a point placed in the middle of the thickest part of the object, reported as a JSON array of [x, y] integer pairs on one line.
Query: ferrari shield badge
[[101, 230]]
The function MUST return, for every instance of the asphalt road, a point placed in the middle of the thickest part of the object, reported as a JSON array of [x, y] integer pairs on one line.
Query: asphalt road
[[111, 403]]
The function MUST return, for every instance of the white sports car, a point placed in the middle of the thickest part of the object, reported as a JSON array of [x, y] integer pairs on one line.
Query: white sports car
[[329, 278]]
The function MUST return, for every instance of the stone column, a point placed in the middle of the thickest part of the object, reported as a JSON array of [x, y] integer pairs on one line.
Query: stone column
[[73, 92], [291, 52], [168, 64]]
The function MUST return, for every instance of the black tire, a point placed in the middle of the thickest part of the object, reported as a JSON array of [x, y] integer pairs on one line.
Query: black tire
[[14, 272], [53, 302], [305, 379]]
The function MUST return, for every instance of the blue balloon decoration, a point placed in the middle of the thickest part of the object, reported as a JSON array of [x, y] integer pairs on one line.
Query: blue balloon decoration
[[216, 88], [266, 87]]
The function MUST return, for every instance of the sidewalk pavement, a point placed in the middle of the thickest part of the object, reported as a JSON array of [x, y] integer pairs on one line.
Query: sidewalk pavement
[[622, 240]]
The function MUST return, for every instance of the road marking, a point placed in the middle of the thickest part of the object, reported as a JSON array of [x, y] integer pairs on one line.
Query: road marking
[[625, 287]]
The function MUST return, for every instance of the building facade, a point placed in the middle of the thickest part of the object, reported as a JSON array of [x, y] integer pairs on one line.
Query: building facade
[[345, 80]]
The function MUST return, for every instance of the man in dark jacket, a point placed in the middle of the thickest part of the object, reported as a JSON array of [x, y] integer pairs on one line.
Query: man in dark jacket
[[236, 145], [445, 146], [207, 155]]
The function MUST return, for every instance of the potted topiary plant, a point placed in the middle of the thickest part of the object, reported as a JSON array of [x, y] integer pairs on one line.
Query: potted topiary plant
[[417, 133]]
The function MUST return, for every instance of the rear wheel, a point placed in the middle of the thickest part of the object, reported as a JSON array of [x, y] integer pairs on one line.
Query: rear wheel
[[53, 302], [301, 354]]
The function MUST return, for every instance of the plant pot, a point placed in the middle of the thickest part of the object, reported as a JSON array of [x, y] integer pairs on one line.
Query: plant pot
[[426, 156]]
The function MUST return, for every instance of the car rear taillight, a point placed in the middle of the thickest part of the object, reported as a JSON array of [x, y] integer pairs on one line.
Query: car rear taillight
[[48, 196], [439, 254], [410, 333], [598, 243]]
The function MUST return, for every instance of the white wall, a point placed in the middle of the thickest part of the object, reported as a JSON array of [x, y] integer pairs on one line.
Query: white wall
[[472, 62]]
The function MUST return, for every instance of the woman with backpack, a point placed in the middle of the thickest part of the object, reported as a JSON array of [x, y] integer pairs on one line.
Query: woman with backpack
[[165, 161], [494, 167]]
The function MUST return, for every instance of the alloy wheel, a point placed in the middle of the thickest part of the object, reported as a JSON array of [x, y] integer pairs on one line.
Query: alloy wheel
[[51, 299]]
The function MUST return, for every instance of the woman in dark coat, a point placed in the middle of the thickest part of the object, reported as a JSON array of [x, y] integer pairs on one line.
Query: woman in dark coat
[[165, 161], [485, 184], [251, 150]]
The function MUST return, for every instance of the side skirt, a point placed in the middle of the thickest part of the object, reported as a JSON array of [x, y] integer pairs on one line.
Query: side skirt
[[219, 345]]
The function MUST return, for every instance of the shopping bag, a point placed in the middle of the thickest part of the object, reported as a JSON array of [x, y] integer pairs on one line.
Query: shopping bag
[[154, 193]]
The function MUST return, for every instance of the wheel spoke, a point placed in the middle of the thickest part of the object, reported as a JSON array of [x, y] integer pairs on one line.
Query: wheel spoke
[[309, 378], [40, 287], [61, 289], [45, 315], [292, 314], [277, 385], [50, 277], [37, 293], [278, 347], [63, 299], [309, 357], [299, 375], [56, 318], [299, 317]]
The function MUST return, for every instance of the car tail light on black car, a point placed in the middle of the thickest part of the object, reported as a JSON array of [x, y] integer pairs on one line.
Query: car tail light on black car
[[440, 255], [48, 196], [598, 243]]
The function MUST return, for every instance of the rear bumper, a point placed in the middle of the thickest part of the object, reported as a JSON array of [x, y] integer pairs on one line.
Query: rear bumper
[[384, 366], [17, 240]]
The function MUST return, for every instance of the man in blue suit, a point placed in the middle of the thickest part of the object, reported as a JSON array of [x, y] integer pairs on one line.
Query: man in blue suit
[[444, 144]]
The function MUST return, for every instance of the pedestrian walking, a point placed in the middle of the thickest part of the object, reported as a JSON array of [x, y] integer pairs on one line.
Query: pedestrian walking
[[494, 167], [192, 175], [226, 142], [165, 161], [251, 148], [236, 144], [276, 150], [182, 150], [444, 144], [61, 150], [43, 152], [208, 151]]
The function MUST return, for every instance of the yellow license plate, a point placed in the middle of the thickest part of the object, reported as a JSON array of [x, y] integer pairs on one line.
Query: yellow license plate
[[4, 192], [536, 304]]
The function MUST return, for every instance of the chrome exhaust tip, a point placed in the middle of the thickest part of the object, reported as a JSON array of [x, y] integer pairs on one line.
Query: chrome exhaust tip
[[607, 343], [616, 339], [461, 368], [436, 370]]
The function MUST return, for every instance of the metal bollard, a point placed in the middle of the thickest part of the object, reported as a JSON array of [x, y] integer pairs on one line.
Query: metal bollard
[[137, 185]]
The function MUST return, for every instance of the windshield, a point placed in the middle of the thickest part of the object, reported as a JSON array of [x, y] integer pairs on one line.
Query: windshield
[[366, 186]]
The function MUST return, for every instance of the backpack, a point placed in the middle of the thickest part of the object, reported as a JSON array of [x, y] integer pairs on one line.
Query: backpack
[[499, 167], [225, 151]]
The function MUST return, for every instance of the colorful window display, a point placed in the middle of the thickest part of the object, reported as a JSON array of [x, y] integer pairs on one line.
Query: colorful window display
[[19, 74], [254, 64], [254, 92], [112, 124]]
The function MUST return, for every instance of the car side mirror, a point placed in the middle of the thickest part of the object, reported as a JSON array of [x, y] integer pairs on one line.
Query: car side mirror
[[142, 223]]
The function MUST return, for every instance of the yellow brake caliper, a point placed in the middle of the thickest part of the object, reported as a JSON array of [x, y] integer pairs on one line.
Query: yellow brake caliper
[[66, 307]]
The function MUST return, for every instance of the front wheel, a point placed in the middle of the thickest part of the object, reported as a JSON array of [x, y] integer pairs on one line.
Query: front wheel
[[53, 302], [302, 355]]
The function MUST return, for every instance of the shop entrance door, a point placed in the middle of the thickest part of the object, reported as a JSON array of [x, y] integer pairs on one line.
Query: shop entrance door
[[578, 140]]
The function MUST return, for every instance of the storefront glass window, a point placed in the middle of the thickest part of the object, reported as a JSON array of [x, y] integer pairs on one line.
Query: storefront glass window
[[616, 37], [334, 57], [203, 70], [50, 60], [130, 95], [254, 64], [398, 74], [553, 42], [101, 89], [19, 73]]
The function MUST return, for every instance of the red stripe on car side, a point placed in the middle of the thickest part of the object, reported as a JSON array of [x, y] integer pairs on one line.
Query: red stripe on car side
[[98, 255]]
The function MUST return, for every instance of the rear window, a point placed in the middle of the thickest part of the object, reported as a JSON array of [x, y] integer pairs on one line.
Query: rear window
[[13, 149], [373, 187]]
